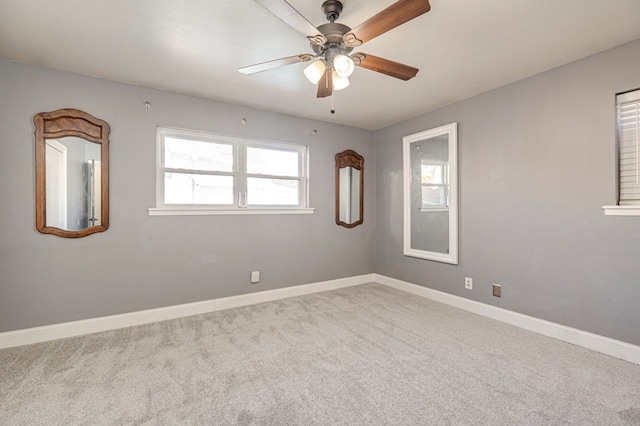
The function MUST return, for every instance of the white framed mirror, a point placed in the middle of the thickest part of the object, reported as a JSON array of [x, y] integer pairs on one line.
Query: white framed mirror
[[430, 185]]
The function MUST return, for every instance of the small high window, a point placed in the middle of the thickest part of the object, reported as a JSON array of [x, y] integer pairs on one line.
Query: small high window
[[200, 171]]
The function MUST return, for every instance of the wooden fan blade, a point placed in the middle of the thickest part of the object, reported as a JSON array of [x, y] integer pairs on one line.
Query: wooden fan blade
[[290, 16], [264, 66], [385, 66], [397, 14], [325, 85]]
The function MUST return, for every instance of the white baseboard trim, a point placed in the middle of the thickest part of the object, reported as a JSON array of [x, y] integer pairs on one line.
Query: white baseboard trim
[[595, 342], [94, 325], [615, 348]]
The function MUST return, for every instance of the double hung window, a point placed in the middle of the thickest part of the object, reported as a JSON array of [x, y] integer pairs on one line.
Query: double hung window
[[629, 147], [628, 150], [434, 176], [203, 171]]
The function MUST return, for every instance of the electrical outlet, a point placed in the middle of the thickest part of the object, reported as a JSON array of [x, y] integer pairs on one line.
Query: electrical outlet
[[497, 290], [255, 277], [468, 283]]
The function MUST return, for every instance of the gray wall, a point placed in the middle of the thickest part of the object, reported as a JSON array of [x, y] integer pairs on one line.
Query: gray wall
[[145, 262], [536, 164]]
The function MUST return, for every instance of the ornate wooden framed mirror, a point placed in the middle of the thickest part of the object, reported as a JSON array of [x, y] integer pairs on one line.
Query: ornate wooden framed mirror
[[72, 173], [349, 188]]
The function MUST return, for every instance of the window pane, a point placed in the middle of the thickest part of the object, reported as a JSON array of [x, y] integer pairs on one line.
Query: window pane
[[272, 162], [432, 173], [273, 192], [184, 188], [434, 196], [197, 155], [628, 140]]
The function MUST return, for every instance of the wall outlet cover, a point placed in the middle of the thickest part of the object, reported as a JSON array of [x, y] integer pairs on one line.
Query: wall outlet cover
[[497, 290], [255, 277], [468, 283]]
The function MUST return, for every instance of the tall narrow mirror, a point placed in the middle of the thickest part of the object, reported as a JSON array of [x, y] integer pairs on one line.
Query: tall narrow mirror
[[72, 173], [431, 194], [349, 188]]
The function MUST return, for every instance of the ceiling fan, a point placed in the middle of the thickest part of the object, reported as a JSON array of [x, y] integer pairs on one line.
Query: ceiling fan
[[332, 43]]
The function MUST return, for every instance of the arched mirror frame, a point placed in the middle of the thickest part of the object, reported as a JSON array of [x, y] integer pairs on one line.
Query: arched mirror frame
[[63, 123], [350, 158]]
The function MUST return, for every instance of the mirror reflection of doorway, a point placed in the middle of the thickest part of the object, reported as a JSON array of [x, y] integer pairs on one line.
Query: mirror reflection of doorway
[[73, 177], [56, 177]]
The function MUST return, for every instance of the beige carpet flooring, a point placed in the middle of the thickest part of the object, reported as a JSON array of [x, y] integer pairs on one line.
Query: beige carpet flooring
[[364, 355]]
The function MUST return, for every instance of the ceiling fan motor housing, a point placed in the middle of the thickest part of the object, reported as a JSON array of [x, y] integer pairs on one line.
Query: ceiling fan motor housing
[[333, 31]]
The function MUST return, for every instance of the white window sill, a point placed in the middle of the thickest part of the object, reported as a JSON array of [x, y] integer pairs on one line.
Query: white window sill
[[184, 211], [626, 210], [434, 209]]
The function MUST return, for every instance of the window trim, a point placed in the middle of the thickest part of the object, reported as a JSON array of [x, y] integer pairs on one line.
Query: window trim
[[621, 210], [185, 211], [240, 145]]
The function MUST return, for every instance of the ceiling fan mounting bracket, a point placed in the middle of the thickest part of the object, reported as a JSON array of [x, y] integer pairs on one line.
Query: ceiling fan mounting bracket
[[332, 9]]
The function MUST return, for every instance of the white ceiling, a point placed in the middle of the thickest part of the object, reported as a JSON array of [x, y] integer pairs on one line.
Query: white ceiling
[[462, 47]]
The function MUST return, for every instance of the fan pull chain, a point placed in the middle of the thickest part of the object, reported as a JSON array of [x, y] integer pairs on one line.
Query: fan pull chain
[[333, 111]]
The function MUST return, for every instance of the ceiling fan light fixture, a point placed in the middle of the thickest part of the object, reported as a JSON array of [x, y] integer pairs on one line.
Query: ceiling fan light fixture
[[315, 71], [339, 83], [343, 65]]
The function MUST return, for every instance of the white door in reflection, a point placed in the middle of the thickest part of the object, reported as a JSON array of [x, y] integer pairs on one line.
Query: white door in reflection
[[56, 175]]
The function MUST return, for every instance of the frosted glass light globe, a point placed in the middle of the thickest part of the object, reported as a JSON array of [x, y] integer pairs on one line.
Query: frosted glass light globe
[[343, 65], [315, 71], [339, 83]]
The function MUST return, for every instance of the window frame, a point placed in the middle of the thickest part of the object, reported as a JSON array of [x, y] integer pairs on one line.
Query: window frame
[[239, 173], [625, 207]]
